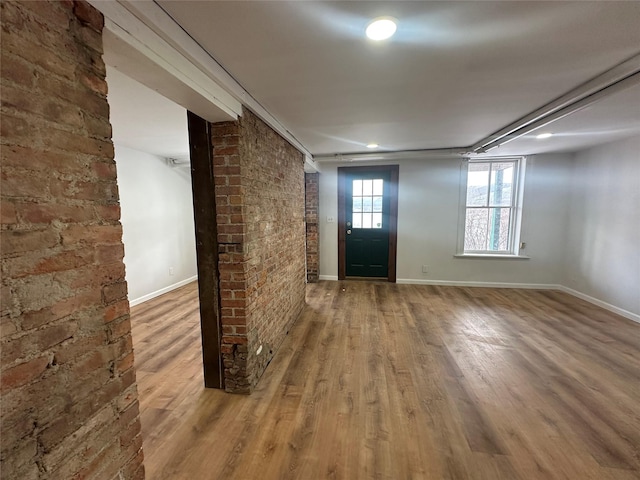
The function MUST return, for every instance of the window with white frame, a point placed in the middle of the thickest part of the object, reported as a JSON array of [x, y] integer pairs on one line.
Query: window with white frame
[[492, 207]]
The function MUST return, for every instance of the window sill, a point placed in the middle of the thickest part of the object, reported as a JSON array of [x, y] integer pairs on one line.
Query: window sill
[[492, 256]]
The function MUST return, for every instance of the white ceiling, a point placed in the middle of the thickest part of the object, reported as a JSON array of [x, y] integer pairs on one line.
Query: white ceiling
[[454, 73]]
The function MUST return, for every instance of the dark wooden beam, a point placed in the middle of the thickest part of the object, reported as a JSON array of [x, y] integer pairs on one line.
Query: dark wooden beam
[[204, 210], [342, 218], [394, 171]]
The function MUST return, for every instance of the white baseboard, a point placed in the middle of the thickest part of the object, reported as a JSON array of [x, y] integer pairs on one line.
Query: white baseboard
[[157, 293], [328, 277], [537, 286], [607, 306], [457, 283]]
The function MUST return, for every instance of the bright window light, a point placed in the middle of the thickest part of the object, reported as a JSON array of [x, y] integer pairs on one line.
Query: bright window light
[[381, 28], [493, 207]]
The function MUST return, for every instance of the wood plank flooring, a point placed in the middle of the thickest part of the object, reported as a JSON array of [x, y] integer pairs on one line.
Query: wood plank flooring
[[386, 381]]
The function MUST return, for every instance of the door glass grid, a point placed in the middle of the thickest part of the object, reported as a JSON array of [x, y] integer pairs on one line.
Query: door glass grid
[[367, 203]]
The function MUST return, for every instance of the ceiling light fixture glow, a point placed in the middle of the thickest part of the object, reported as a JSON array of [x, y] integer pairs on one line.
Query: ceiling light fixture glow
[[544, 135], [381, 28], [372, 145]]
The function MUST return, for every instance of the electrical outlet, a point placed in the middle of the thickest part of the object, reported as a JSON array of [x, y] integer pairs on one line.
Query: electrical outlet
[[425, 268], [170, 270], [331, 219]]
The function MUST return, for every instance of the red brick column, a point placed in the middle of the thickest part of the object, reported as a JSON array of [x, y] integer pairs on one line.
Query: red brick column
[[69, 400], [260, 212], [312, 202], [232, 260]]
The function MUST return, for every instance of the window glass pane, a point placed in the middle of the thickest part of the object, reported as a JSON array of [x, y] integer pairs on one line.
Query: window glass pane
[[377, 186], [377, 220], [478, 184], [476, 228], [377, 204], [498, 229], [366, 220], [357, 220], [501, 184], [367, 204], [367, 187], [357, 204], [487, 229], [357, 188]]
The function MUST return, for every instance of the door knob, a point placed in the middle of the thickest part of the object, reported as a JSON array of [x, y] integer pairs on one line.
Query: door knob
[[349, 232]]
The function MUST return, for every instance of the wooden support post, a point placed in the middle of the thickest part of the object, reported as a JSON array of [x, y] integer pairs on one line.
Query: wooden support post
[[204, 210]]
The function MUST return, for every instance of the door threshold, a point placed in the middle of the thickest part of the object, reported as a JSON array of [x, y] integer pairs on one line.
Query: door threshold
[[369, 279]]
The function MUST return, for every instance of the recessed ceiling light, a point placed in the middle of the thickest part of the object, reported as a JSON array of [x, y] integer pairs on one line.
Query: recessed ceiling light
[[381, 28], [372, 145], [544, 135]]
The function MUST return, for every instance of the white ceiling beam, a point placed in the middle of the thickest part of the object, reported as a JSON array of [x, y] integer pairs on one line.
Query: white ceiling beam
[[602, 82], [566, 111], [396, 155], [126, 27], [142, 17]]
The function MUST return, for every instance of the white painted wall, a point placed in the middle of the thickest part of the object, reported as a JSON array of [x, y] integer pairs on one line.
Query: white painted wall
[[157, 223], [428, 209], [603, 247]]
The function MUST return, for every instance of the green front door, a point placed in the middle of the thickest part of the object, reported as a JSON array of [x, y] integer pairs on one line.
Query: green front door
[[367, 205]]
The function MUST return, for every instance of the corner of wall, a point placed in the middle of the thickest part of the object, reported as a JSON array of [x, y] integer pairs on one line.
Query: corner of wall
[[602, 242]]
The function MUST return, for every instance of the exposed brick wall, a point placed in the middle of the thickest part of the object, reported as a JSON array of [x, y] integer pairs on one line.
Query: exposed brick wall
[[261, 235], [69, 401], [312, 203]]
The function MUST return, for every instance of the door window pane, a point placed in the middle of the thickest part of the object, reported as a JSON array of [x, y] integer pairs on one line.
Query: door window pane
[[366, 199], [377, 220], [367, 187], [357, 188]]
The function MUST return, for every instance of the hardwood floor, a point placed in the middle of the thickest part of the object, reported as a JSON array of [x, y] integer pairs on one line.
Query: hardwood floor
[[386, 381]]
